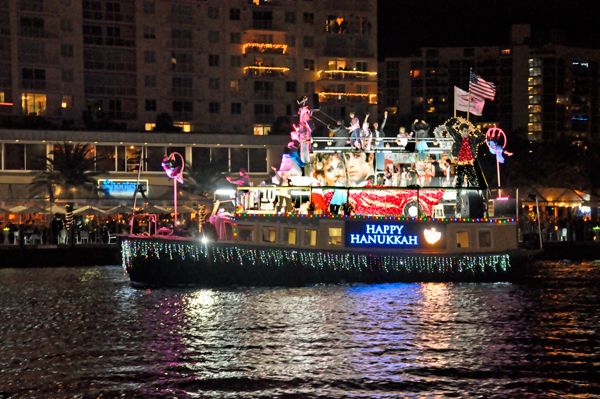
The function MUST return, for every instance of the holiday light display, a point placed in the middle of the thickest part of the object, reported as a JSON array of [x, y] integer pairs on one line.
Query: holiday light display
[[372, 98], [340, 72], [274, 258], [260, 68], [264, 47], [422, 219]]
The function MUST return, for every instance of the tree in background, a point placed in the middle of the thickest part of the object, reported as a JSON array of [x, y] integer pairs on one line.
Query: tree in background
[[202, 179], [70, 171]]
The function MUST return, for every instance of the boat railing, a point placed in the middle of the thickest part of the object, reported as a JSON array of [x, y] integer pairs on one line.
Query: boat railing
[[381, 144]]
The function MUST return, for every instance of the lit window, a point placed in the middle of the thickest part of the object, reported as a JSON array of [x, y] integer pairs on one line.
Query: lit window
[[505, 51], [269, 234], [33, 104], [289, 236], [462, 239], [260, 130], [310, 238], [150, 126], [67, 102], [335, 236], [185, 127]]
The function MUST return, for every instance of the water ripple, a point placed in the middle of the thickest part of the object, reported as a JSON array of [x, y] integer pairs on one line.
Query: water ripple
[[84, 332]]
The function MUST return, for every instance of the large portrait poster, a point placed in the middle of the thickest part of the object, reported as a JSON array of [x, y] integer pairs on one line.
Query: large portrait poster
[[348, 169]]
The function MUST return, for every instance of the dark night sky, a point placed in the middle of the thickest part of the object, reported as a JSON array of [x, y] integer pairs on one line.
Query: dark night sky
[[407, 25]]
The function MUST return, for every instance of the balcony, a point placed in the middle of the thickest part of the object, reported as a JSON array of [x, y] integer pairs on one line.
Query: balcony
[[348, 5], [347, 98], [38, 33], [354, 76], [38, 58], [348, 52], [264, 25], [268, 48], [263, 95], [180, 43], [264, 2], [264, 119], [6, 108], [184, 92], [262, 71], [347, 28], [183, 116]]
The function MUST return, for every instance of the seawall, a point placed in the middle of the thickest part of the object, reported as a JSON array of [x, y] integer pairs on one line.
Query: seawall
[[59, 255]]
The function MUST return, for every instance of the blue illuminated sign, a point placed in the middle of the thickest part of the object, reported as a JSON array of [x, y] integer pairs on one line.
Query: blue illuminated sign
[[121, 188], [367, 234]]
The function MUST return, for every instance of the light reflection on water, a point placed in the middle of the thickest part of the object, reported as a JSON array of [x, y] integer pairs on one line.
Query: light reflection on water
[[85, 331]]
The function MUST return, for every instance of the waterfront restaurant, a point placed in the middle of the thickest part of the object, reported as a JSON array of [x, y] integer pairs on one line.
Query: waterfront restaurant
[[23, 153]]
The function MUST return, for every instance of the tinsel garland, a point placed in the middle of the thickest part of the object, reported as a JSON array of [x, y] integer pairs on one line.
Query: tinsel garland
[[320, 260], [389, 202]]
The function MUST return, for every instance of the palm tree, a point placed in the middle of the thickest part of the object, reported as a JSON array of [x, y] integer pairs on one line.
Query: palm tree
[[203, 180], [70, 169]]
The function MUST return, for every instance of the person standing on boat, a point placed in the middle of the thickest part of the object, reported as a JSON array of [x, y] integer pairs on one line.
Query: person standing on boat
[[284, 199], [402, 137], [365, 136], [379, 135], [466, 140], [354, 128], [420, 129], [340, 197], [447, 169], [339, 131]]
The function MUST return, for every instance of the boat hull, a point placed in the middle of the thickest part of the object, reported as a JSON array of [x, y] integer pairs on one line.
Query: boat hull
[[168, 262]]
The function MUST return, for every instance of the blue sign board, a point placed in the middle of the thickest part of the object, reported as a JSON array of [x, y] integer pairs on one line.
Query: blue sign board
[[122, 188], [398, 234]]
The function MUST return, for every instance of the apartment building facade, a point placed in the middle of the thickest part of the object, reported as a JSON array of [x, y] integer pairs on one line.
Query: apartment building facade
[[231, 66], [545, 88]]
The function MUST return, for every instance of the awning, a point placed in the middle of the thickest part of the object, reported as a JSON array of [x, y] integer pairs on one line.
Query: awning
[[560, 197], [89, 210], [27, 210]]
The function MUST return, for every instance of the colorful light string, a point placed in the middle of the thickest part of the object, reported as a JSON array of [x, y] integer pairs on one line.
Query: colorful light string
[[135, 251]]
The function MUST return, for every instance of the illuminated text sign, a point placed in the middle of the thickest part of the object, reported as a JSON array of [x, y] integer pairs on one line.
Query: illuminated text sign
[[395, 235], [122, 188]]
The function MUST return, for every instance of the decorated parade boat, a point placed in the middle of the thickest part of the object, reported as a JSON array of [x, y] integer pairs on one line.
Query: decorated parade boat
[[364, 212], [355, 206], [263, 247]]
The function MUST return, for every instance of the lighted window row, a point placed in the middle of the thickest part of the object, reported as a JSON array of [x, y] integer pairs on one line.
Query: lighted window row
[[288, 235], [126, 158]]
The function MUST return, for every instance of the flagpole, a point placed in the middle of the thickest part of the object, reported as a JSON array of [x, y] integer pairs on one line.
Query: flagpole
[[469, 99], [455, 101]]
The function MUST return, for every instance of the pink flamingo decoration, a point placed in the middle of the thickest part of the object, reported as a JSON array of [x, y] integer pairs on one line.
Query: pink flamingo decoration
[[175, 173], [496, 141]]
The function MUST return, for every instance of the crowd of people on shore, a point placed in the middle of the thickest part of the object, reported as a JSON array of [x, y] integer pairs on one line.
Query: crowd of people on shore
[[561, 229], [33, 231]]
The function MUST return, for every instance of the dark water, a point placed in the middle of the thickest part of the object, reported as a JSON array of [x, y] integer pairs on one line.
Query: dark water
[[83, 332]]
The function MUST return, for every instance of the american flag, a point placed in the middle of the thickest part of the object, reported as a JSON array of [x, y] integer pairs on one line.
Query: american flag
[[480, 88]]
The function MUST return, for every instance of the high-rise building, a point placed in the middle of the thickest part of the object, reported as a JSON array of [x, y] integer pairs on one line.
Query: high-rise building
[[229, 66], [542, 86]]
